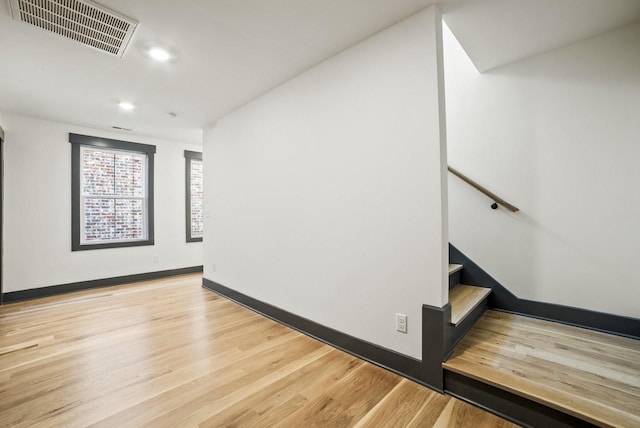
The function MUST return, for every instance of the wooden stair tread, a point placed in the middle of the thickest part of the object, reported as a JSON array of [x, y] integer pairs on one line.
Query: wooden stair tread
[[590, 375], [464, 299], [453, 268]]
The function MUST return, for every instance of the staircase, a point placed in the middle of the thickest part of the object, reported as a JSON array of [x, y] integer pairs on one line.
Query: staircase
[[537, 372]]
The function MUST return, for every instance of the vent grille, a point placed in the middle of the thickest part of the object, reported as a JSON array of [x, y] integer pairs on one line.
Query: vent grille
[[80, 20]]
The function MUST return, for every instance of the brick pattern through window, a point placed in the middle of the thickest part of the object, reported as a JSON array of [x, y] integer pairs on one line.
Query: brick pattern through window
[[113, 192], [196, 181]]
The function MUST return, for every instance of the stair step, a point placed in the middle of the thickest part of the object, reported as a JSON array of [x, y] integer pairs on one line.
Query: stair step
[[590, 375], [453, 268], [464, 299]]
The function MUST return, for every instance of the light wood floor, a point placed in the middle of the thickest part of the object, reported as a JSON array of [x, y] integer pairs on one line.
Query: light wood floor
[[591, 375], [169, 353]]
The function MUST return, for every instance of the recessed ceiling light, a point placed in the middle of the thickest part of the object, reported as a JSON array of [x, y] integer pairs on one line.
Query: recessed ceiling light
[[159, 54], [126, 106]]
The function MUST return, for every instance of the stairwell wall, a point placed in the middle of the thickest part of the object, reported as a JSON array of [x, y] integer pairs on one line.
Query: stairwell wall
[[325, 197], [556, 135]]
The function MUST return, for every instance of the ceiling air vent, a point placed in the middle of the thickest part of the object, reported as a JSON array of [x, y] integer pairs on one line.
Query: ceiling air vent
[[81, 20]]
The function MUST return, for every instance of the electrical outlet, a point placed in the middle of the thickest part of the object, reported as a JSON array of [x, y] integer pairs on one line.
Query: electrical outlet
[[401, 323], [155, 259], [213, 267]]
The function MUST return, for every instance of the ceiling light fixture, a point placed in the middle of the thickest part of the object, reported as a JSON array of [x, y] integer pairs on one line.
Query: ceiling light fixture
[[159, 54], [126, 106]]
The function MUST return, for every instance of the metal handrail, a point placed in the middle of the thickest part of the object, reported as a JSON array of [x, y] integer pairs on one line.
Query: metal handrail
[[497, 200]]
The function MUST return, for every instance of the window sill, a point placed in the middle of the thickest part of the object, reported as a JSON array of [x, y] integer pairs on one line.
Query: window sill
[[105, 245]]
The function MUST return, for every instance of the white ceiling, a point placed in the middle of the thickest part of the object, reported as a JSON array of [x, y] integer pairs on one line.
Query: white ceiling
[[231, 51], [497, 32]]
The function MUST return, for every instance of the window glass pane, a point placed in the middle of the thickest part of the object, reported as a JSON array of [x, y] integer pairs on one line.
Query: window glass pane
[[107, 174], [112, 191], [129, 219], [129, 173], [99, 217], [196, 198], [97, 173]]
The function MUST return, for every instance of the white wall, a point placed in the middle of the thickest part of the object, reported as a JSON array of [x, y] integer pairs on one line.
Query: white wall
[[37, 210], [325, 194], [558, 136]]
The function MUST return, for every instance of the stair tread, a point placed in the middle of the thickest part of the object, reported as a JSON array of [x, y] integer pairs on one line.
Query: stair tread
[[453, 268], [464, 299], [591, 375]]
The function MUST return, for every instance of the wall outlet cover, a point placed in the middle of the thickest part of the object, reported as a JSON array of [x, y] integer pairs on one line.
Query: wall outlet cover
[[401, 323]]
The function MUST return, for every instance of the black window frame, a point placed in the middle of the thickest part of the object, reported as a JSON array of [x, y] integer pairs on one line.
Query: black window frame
[[189, 156], [78, 140]]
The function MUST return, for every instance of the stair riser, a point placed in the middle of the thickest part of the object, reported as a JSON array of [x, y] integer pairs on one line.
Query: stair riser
[[454, 279], [510, 406], [454, 334]]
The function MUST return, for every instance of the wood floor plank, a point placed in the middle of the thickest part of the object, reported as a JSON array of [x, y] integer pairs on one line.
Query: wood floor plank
[[295, 390], [461, 414], [563, 379], [578, 363], [347, 401], [169, 353], [397, 408], [430, 411], [562, 330], [199, 408]]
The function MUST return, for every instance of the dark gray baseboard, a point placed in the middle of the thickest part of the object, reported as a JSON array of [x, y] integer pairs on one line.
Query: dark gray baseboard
[[502, 299], [435, 341], [378, 355], [439, 337], [34, 293], [510, 406]]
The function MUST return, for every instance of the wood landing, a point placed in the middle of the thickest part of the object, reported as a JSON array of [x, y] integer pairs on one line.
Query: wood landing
[[590, 375]]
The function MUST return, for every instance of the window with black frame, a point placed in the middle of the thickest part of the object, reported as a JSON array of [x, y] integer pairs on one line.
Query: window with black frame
[[112, 193], [194, 196]]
